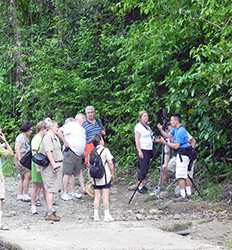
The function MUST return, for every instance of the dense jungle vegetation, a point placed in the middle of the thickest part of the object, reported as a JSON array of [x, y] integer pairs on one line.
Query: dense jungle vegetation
[[57, 56]]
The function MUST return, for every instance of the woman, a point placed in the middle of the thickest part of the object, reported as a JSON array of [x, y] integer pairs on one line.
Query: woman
[[144, 146], [102, 186], [5, 151], [37, 183], [22, 146], [52, 174]]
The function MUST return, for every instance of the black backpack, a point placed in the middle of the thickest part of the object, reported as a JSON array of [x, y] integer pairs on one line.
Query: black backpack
[[97, 168]]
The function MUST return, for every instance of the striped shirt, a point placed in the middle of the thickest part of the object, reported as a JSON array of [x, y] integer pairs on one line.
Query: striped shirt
[[92, 129]]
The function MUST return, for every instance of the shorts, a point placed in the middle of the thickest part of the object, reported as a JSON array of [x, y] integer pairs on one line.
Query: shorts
[[35, 175], [72, 164], [52, 182], [22, 170], [2, 185], [107, 186], [172, 165], [144, 164], [88, 149], [182, 167]]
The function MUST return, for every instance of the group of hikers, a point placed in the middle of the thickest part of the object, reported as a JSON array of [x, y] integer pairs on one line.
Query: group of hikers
[[59, 155]]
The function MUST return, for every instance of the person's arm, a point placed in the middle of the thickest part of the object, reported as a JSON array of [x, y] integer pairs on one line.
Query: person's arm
[[60, 134], [54, 164], [163, 133], [112, 168], [8, 151], [17, 150], [193, 142], [172, 145], [138, 146]]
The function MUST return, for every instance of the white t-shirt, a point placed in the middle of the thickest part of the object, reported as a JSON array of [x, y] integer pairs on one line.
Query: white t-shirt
[[106, 156], [146, 135], [75, 135]]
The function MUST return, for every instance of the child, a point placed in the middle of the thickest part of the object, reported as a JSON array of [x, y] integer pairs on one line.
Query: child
[[5, 150], [102, 186]]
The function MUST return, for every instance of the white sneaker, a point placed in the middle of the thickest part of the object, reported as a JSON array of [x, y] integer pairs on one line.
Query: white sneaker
[[96, 218], [33, 210], [20, 197], [108, 218], [66, 197], [26, 198], [76, 195]]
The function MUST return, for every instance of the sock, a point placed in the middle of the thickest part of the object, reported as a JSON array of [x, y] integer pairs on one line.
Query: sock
[[107, 213], [50, 211], [96, 214], [188, 191], [182, 193]]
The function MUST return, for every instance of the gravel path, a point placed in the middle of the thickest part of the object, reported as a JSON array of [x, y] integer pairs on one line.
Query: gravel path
[[138, 226]]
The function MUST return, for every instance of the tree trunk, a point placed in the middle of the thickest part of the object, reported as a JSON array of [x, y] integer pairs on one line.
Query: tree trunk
[[19, 64]]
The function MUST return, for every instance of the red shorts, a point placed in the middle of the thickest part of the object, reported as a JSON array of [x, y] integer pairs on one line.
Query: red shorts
[[88, 149]]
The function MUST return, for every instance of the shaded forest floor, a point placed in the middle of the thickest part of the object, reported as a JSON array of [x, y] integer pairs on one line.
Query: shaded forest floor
[[147, 223]]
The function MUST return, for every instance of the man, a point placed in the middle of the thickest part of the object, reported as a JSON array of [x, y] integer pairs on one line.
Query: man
[[92, 127], [5, 151], [52, 174], [180, 144], [74, 137], [169, 164]]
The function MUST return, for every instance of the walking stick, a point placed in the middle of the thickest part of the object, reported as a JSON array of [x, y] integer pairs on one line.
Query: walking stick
[[134, 192], [195, 186]]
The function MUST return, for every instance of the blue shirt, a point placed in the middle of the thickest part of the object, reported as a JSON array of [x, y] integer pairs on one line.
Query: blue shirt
[[180, 136], [92, 129]]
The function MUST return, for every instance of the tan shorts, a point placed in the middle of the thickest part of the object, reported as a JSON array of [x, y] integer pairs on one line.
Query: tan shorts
[[52, 182], [2, 186], [22, 170], [182, 167], [172, 164]]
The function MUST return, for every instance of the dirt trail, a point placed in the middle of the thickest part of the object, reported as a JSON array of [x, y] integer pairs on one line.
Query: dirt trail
[[139, 226]]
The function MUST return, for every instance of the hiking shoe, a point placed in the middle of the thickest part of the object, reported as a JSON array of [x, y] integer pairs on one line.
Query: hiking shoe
[[53, 217], [142, 190], [20, 197], [108, 218], [26, 198], [76, 195], [33, 210], [66, 197], [38, 203], [96, 218]]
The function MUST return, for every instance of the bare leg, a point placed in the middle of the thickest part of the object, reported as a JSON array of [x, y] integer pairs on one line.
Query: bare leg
[[97, 197], [82, 182], [106, 198], [71, 185], [50, 199], [66, 179], [34, 194], [26, 182], [21, 184], [182, 184]]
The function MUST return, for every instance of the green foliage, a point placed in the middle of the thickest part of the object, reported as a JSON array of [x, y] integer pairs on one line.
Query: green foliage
[[9, 168], [123, 57]]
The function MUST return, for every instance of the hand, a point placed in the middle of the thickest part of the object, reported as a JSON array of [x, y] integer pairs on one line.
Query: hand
[[2, 137], [159, 126], [162, 140], [140, 153], [103, 132], [55, 166]]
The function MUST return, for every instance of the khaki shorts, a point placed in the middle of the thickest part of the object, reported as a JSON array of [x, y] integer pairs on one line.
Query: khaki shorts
[[172, 164], [22, 170], [72, 164], [182, 167], [52, 182], [2, 185]]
